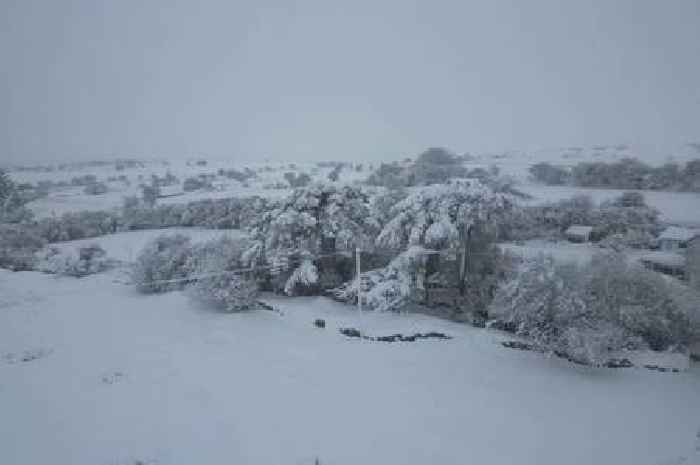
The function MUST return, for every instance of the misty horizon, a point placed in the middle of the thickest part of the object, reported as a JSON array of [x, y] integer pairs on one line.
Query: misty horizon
[[86, 80]]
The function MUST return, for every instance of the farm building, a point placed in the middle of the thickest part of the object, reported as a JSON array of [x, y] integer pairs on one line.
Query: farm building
[[674, 238], [170, 191], [578, 233]]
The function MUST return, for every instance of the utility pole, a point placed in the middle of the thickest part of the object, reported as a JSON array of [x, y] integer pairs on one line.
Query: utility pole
[[359, 280]]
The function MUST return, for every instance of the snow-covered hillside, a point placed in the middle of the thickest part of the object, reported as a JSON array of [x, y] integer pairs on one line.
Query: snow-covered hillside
[[93, 373], [71, 198]]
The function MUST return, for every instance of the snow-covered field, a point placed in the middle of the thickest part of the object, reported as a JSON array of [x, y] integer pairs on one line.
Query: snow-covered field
[[93, 373], [682, 208], [71, 199]]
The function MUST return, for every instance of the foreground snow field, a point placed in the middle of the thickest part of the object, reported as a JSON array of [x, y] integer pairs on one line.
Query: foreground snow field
[[93, 373]]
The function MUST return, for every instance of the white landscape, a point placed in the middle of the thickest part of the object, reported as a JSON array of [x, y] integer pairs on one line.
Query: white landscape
[[98, 373], [349, 233]]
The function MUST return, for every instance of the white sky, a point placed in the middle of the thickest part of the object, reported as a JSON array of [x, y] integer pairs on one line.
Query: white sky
[[360, 79]]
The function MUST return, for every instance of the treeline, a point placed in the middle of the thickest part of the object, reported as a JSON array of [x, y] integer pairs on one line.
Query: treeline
[[628, 173], [20, 240], [627, 220], [435, 165], [438, 166]]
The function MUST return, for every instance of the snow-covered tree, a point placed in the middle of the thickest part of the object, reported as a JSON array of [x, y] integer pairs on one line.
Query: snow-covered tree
[[18, 245], [163, 265], [150, 193], [312, 220], [97, 188], [548, 303], [297, 180], [12, 209], [219, 276], [638, 300], [587, 312], [384, 200], [436, 216]]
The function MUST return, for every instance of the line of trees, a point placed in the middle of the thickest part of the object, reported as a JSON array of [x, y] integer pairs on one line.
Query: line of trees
[[628, 173]]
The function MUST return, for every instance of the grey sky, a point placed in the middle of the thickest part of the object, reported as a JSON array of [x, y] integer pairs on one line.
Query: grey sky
[[352, 80]]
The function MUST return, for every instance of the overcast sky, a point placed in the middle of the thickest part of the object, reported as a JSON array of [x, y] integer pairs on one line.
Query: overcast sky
[[356, 79]]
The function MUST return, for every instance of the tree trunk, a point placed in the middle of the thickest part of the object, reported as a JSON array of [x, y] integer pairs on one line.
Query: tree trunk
[[463, 263]]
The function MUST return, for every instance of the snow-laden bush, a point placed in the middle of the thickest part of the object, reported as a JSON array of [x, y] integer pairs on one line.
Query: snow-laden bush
[[79, 262], [12, 201], [297, 180], [78, 225], [196, 182], [18, 245], [219, 276], [163, 265], [96, 188], [548, 303], [638, 300], [587, 312]]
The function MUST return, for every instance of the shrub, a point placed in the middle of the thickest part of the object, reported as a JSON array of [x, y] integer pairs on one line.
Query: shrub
[[297, 180], [78, 225], [584, 313], [84, 180], [18, 245], [638, 300], [195, 183], [549, 174], [219, 282], [150, 194], [97, 188], [78, 263], [13, 200], [335, 173], [165, 258]]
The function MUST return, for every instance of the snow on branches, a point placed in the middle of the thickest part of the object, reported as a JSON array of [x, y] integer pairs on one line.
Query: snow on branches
[[388, 288], [311, 220], [432, 216]]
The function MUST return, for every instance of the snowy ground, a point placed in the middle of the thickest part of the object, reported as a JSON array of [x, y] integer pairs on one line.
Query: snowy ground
[[93, 373]]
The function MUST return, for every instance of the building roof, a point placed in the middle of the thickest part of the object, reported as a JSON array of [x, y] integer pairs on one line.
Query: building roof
[[578, 230], [171, 191], [676, 233]]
